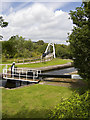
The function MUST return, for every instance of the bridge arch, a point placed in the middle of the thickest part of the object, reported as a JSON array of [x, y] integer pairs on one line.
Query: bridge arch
[[47, 51]]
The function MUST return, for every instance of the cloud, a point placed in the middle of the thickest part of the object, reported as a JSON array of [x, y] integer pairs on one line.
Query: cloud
[[42, 1], [38, 22]]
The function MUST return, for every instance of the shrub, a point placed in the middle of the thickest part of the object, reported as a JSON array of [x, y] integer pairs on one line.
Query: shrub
[[77, 106]]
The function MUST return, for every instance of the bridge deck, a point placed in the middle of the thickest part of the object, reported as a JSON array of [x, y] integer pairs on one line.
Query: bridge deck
[[26, 80]]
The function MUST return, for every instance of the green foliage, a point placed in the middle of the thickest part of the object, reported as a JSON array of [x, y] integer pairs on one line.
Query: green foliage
[[18, 47], [80, 39], [78, 16], [8, 49], [28, 45], [77, 106], [2, 24], [42, 48], [40, 42], [4, 58], [63, 51]]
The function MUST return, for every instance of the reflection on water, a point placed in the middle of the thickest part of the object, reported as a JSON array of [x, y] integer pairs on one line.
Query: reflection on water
[[61, 71]]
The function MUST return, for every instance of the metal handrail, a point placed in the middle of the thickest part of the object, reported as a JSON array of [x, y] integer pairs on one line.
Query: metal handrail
[[19, 71], [16, 74]]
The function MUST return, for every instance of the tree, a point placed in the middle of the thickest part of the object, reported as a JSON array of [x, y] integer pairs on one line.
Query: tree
[[18, 45], [28, 44], [63, 51], [40, 42], [8, 49], [80, 39], [42, 48], [2, 24]]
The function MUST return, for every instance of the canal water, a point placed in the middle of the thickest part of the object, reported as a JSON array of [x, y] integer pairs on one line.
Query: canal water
[[61, 71], [14, 84]]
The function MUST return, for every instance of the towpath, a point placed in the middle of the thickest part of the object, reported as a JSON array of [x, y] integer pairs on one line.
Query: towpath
[[53, 67], [24, 63]]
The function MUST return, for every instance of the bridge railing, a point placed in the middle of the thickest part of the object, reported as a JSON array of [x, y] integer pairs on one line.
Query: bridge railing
[[20, 73]]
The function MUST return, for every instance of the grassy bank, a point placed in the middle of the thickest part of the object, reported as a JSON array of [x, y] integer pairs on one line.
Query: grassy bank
[[19, 60], [33, 101], [1, 68], [55, 61]]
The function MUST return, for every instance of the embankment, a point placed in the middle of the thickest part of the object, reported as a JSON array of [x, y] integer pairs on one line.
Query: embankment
[[55, 67]]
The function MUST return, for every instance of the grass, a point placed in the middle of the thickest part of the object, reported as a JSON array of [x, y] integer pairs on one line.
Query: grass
[[32, 101], [55, 61], [18, 60], [2, 66], [11, 60]]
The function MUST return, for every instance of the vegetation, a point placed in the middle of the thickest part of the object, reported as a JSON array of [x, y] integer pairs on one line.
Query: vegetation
[[2, 24], [1, 68], [77, 106], [38, 101], [63, 51], [55, 61], [19, 47], [80, 39], [32, 101], [20, 60]]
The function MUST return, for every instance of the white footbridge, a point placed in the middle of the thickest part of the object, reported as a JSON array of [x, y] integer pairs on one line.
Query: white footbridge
[[48, 53]]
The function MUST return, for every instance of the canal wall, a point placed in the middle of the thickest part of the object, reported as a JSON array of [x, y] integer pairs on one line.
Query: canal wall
[[55, 67]]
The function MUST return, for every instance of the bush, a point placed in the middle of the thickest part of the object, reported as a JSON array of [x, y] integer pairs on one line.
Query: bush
[[77, 106], [4, 59]]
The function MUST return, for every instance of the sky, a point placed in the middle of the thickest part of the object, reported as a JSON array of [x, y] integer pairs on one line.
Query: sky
[[48, 21]]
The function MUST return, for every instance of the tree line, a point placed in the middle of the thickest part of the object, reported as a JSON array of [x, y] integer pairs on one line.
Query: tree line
[[17, 47]]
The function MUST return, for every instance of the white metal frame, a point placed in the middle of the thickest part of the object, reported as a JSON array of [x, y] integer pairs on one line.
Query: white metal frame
[[7, 72], [48, 47]]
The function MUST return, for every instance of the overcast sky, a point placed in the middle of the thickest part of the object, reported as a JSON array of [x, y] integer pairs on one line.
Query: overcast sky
[[46, 21]]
